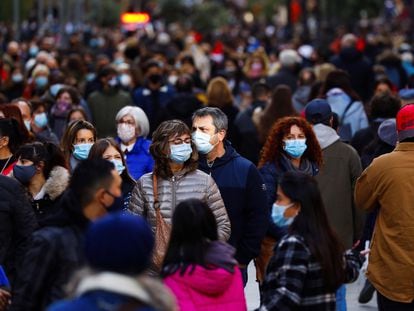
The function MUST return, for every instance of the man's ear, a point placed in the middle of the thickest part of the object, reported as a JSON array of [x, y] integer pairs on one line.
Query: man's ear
[[99, 194], [221, 135], [331, 121]]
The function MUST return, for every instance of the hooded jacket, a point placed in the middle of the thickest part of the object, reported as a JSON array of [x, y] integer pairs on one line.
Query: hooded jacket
[[44, 203], [182, 186], [218, 287], [55, 252], [336, 179], [353, 117], [244, 196]]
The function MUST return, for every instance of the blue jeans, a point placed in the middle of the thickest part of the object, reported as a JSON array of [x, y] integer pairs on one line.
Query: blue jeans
[[341, 298]]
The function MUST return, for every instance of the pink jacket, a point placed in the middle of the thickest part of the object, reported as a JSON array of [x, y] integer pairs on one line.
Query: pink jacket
[[208, 290]]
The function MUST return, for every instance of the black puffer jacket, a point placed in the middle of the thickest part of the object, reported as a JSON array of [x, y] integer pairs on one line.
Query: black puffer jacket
[[17, 222], [55, 252]]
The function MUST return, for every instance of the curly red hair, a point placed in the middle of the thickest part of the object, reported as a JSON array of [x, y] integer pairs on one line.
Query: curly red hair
[[273, 147]]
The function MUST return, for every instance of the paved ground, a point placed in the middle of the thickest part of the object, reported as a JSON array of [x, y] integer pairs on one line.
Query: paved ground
[[252, 294]]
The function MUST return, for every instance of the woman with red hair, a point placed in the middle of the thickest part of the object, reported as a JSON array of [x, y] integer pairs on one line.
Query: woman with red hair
[[291, 145]]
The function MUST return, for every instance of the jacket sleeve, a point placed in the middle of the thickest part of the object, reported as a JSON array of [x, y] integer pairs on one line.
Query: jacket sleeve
[[215, 202], [137, 203], [258, 216], [285, 277], [358, 215], [32, 273], [24, 223], [365, 196]]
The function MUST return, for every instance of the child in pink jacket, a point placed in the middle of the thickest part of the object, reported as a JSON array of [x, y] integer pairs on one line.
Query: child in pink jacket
[[200, 270]]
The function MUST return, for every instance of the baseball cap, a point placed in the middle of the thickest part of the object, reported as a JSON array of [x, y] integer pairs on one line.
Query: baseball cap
[[406, 94], [405, 122], [318, 111], [387, 132]]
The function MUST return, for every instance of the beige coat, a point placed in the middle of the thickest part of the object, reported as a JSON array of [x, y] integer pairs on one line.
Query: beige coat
[[388, 184], [195, 184]]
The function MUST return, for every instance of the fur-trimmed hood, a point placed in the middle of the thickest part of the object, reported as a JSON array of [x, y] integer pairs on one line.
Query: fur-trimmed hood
[[57, 182]]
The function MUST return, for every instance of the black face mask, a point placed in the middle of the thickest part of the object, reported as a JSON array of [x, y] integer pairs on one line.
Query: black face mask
[[155, 78]]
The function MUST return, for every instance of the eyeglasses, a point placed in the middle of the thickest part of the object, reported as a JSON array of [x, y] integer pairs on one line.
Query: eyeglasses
[[179, 141]]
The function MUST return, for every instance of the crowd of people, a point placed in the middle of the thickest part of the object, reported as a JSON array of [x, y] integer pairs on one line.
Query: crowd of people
[[145, 171]]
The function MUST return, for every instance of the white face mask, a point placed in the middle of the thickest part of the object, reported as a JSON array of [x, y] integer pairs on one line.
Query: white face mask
[[126, 132], [202, 142]]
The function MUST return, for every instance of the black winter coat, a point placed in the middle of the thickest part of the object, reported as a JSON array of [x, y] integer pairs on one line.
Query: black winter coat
[[17, 222], [55, 253]]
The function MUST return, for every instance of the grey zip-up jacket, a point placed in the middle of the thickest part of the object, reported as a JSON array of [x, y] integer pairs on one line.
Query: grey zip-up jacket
[[192, 185]]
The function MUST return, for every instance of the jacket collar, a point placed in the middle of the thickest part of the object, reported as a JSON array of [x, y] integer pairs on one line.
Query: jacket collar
[[56, 183], [229, 154], [115, 283]]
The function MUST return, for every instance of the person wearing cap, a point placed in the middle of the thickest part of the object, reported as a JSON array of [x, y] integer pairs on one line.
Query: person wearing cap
[[118, 250], [406, 96], [337, 177], [384, 143], [388, 185]]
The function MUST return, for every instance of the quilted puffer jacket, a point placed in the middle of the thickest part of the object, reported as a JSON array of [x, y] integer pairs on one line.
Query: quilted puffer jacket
[[182, 186]]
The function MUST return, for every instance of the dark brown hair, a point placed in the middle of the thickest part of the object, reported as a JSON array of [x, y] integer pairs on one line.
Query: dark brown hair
[[339, 79], [159, 148], [70, 134], [273, 148]]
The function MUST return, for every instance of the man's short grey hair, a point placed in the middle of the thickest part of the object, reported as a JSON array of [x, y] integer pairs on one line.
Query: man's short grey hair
[[220, 120], [141, 119]]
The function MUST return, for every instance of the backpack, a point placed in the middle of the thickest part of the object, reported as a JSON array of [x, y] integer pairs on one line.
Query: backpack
[[344, 129]]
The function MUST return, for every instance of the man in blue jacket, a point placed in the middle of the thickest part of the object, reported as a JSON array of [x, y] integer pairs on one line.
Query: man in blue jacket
[[239, 181]]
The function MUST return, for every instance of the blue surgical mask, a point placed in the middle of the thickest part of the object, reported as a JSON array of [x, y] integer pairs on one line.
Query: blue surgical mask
[[180, 153], [24, 173], [55, 88], [278, 216], [41, 82], [40, 120], [17, 78], [33, 50], [295, 147], [118, 165], [81, 151], [202, 142]]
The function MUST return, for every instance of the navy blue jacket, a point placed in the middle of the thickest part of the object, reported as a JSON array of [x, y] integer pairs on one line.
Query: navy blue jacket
[[271, 174], [244, 196]]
